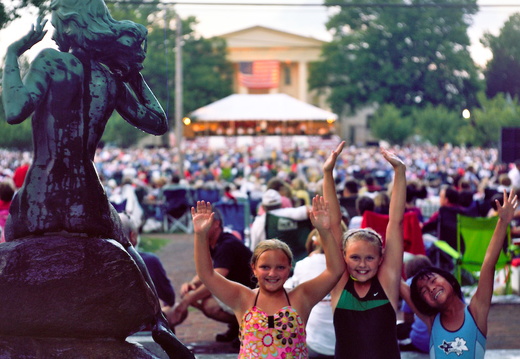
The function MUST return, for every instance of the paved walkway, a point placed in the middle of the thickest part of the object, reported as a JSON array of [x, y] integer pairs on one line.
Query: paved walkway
[[198, 332]]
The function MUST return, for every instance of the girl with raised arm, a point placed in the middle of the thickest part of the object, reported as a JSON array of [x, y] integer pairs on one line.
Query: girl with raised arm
[[272, 321], [365, 300], [436, 297]]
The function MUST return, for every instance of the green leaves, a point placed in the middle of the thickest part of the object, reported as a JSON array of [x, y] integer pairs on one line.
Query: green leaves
[[407, 56], [503, 70]]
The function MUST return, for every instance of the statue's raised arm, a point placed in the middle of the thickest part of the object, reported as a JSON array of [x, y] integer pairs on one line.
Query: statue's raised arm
[[20, 99], [71, 94]]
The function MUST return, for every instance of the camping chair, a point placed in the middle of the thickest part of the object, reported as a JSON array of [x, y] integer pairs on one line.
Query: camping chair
[[176, 210], [211, 195], [443, 252], [475, 233], [236, 216], [412, 235], [290, 231]]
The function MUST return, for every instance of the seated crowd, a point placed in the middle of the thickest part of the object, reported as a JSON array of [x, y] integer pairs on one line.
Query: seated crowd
[[469, 180]]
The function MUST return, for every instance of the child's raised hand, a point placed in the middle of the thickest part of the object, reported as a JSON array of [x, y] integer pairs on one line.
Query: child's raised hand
[[506, 211], [319, 214], [202, 217], [330, 162], [392, 158]]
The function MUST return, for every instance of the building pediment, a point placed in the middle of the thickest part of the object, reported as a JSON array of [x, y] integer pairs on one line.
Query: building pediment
[[264, 37]]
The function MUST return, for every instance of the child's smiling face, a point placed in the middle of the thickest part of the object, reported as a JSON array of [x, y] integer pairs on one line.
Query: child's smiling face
[[272, 269]]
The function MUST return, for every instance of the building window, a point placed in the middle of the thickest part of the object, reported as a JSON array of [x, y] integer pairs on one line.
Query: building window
[[287, 75], [370, 119]]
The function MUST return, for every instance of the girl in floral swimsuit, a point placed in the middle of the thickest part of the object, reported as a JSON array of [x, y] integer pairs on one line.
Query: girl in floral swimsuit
[[272, 320]]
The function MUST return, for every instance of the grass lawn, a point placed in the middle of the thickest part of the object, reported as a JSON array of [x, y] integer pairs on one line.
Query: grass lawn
[[149, 243]]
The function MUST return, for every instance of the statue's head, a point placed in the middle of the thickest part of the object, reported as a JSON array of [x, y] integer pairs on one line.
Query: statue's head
[[88, 25]]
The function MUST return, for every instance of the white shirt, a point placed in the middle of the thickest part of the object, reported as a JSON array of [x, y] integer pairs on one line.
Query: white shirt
[[320, 328]]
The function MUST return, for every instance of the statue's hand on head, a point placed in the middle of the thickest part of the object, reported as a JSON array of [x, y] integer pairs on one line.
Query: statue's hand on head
[[34, 36]]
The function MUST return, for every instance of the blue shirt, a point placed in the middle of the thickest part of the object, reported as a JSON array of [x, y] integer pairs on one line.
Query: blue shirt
[[466, 342]]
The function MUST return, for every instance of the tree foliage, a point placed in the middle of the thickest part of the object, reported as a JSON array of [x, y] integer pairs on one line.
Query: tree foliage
[[485, 123], [437, 124], [8, 14], [407, 53], [503, 70], [391, 125]]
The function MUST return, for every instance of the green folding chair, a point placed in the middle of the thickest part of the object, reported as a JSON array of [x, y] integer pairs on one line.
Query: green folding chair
[[473, 237], [290, 231]]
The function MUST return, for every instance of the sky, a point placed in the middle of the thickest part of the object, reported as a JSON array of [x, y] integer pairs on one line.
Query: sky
[[302, 20]]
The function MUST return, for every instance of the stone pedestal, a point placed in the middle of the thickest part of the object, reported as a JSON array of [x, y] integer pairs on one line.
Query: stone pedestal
[[71, 297], [63, 348]]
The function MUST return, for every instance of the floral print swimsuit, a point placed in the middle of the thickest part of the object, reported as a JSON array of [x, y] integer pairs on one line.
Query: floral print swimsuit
[[281, 335]]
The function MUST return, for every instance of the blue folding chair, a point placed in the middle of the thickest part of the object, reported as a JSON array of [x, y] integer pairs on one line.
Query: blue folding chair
[[236, 216], [211, 195], [176, 210]]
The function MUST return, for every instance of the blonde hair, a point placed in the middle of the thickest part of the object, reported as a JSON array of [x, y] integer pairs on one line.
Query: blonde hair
[[365, 234], [269, 245]]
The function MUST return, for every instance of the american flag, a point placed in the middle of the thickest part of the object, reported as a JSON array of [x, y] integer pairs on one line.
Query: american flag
[[262, 74]]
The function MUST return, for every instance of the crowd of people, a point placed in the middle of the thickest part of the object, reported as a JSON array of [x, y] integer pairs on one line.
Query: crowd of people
[[343, 186]]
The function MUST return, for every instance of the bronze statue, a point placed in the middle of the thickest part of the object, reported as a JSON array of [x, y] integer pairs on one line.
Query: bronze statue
[[71, 93]]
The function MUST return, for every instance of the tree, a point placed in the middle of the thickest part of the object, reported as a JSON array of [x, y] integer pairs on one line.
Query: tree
[[503, 70], [485, 122], [389, 124], [407, 53], [437, 124], [9, 14]]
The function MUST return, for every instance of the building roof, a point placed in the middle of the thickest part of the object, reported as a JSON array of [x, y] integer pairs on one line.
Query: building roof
[[271, 107], [261, 36]]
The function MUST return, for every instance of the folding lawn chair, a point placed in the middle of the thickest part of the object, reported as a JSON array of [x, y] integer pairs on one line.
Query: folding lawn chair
[[475, 233], [290, 231], [236, 216], [176, 210]]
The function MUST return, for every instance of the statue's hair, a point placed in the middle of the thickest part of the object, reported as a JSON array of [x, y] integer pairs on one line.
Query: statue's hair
[[87, 24]]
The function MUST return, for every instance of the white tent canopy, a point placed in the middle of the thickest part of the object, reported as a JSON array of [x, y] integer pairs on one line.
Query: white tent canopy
[[271, 107]]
